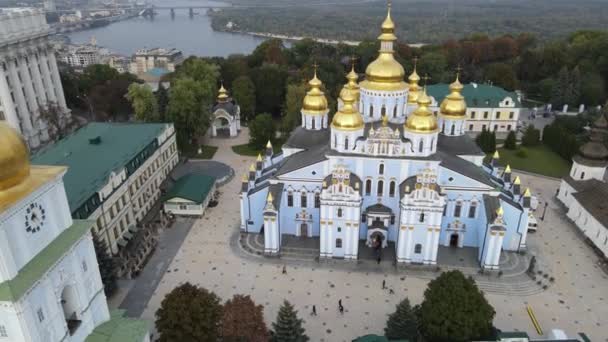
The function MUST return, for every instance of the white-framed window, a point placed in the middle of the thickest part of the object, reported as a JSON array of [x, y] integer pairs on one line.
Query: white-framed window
[[40, 314], [418, 248], [183, 207], [457, 209], [3, 332], [472, 209]]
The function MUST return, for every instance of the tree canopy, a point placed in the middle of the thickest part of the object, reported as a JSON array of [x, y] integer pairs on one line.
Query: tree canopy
[[261, 129], [288, 327], [402, 324], [242, 320], [144, 102]]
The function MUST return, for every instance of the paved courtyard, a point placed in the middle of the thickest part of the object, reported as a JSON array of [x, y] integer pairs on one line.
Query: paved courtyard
[[211, 256]]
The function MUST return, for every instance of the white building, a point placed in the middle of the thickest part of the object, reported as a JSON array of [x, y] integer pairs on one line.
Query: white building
[[147, 59], [81, 56], [190, 195], [114, 177], [584, 191], [50, 287], [29, 78], [226, 115]]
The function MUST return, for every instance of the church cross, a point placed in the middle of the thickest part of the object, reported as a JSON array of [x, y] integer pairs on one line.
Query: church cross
[[415, 59], [426, 78], [458, 70]]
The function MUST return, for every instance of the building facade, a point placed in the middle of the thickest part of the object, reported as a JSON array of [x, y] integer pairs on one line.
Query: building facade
[[226, 115], [385, 172], [488, 107], [115, 189], [50, 287], [147, 59], [585, 190], [29, 78], [81, 56]]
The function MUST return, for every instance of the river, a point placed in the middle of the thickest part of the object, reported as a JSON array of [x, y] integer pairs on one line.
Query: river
[[193, 36]]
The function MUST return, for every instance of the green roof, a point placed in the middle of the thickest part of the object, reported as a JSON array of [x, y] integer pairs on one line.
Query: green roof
[[90, 160], [193, 187], [119, 328], [512, 334], [476, 95], [375, 338], [12, 290]]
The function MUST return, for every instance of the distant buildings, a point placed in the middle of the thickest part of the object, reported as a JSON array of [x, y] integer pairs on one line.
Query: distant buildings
[[81, 56], [147, 59], [29, 78]]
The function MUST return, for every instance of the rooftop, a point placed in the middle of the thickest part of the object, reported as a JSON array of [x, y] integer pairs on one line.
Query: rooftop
[[95, 151], [194, 187], [119, 328], [476, 95]]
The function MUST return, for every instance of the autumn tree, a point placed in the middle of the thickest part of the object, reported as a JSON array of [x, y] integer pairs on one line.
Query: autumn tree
[[189, 313], [243, 91], [242, 320], [144, 102], [454, 310], [402, 324], [288, 327]]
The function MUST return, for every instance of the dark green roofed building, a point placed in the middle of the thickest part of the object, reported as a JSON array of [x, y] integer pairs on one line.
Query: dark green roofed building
[[190, 195], [489, 107]]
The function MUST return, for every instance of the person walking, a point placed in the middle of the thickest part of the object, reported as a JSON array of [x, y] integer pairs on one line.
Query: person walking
[[314, 311], [284, 269], [383, 284], [339, 302], [341, 308]]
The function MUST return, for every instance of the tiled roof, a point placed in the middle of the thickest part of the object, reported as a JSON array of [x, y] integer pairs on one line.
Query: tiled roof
[[458, 145], [194, 187], [90, 164], [593, 199], [476, 96]]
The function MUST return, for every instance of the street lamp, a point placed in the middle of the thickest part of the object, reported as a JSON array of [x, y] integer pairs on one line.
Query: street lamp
[[544, 211]]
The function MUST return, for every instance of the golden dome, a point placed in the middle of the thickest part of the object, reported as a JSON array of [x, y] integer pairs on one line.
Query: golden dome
[[348, 118], [422, 119], [352, 84], [222, 94], [414, 88], [315, 101], [14, 157], [454, 104]]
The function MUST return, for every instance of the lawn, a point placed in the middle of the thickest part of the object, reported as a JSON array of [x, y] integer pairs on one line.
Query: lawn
[[540, 160], [246, 150], [207, 152]]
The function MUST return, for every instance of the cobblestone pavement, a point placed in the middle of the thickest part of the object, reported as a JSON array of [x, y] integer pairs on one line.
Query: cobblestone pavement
[[212, 257]]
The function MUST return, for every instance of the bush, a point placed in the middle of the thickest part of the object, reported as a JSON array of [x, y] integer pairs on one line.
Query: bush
[[522, 153], [511, 142], [261, 129], [531, 136]]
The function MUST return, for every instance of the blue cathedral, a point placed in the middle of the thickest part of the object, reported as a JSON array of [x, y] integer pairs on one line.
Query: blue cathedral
[[385, 172]]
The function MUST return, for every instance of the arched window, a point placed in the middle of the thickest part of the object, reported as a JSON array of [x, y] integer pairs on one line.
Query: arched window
[[368, 187], [582, 175], [421, 219], [346, 143], [290, 199], [371, 111], [395, 111], [335, 140], [418, 248], [421, 146], [338, 243], [457, 209], [443, 127], [472, 209], [383, 111], [317, 200], [303, 200], [453, 129], [339, 212], [380, 187], [313, 122], [391, 189], [381, 169]]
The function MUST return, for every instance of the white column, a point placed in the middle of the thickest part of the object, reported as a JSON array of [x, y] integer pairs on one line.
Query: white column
[[29, 91], [401, 240], [34, 62], [267, 235], [46, 76], [18, 94], [7, 102], [428, 248], [490, 252], [498, 249], [435, 245], [57, 80], [409, 242], [242, 204]]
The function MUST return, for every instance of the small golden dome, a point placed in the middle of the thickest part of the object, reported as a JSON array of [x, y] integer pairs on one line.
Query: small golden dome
[[454, 104], [315, 101], [422, 119], [348, 118], [222, 95], [414, 88], [14, 157], [352, 84]]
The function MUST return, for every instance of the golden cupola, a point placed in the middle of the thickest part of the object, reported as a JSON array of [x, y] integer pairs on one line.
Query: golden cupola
[[348, 118], [315, 101], [14, 157], [222, 95], [422, 119], [413, 87], [352, 84], [454, 105], [385, 73]]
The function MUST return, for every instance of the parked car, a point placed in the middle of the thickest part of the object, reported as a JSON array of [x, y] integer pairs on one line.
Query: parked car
[[532, 223]]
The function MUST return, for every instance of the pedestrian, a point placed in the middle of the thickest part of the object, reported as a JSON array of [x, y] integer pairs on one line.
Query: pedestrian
[[341, 310], [383, 284], [314, 311], [339, 302], [379, 259], [390, 291], [284, 269]]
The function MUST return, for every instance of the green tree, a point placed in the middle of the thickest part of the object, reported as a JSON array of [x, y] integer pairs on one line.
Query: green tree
[[434, 64], [233, 67], [242, 320], [486, 140], [293, 104], [593, 90], [288, 327], [96, 74], [502, 75], [261, 129], [511, 141], [107, 266], [560, 89], [271, 51], [270, 81], [454, 310], [199, 70], [531, 136], [402, 324], [162, 98], [189, 313], [243, 91], [144, 102]]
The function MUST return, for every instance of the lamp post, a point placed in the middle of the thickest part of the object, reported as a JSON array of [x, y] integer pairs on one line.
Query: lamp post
[[544, 211]]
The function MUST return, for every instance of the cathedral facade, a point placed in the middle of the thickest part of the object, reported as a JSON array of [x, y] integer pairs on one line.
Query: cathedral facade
[[385, 172]]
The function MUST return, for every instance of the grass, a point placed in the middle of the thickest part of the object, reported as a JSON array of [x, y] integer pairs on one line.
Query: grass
[[540, 160], [207, 152], [246, 150]]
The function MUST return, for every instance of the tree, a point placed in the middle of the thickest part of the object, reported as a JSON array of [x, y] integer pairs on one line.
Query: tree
[[402, 324], [434, 64], [269, 80], [199, 70], [189, 313], [162, 99], [261, 129], [242, 320], [144, 102], [54, 117], [593, 90], [486, 140], [234, 67], [531, 136], [108, 100], [243, 91], [288, 327], [454, 310], [511, 141], [107, 266], [501, 74], [293, 105]]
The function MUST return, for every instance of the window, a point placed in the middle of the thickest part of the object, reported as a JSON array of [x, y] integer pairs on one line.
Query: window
[[371, 111], [418, 248], [457, 209], [508, 127], [303, 199], [339, 229], [40, 314], [381, 169], [383, 111], [582, 175], [339, 212], [368, 187], [391, 189], [338, 243], [380, 187], [445, 208], [392, 219], [183, 207], [453, 131], [290, 199], [317, 200], [84, 266], [511, 115], [3, 332], [470, 127], [363, 217], [443, 127], [395, 111], [472, 115], [346, 143], [485, 115], [472, 210], [421, 146], [495, 127], [421, 218], [498, 115], [115, 230]]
